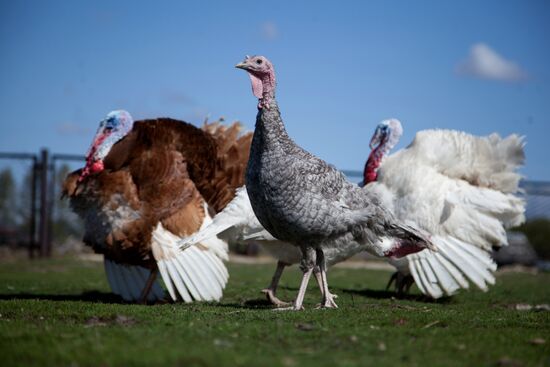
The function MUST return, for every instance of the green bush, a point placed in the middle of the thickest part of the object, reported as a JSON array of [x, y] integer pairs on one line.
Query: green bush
[[538, 233]]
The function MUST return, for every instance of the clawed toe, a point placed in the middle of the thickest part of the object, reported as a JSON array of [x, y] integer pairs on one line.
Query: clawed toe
[[291, 308], [271, 297], [328, 302], [326, 305]]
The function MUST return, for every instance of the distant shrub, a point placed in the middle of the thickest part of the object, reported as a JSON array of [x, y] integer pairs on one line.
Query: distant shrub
[[538, 233]]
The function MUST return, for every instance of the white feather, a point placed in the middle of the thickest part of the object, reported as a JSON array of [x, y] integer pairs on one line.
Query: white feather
[[461, 189], [236, 223], [454, 272], [431, 280], [196, 272], [195, 276], [444, 278], [221, 272]]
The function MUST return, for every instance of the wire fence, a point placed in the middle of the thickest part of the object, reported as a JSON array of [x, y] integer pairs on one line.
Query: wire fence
[[32, 216]]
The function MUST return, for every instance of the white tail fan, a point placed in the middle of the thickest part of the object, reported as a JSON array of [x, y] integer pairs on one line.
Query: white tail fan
[[445, 272], [128, 281], [196, 273]]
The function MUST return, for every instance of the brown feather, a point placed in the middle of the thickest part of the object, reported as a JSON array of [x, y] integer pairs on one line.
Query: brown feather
[[147, 179], [188, 219], [159, 172], [232, 158]]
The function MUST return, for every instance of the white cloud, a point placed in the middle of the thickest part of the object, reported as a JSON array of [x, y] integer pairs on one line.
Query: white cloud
[[270, 32], [485, 63]]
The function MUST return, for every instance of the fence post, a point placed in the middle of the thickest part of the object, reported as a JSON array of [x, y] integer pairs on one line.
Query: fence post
[[43, 230], [32, 224], [50, 202]]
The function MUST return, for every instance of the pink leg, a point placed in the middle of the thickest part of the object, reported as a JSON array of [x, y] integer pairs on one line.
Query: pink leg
[[298, 303], [330, 296]]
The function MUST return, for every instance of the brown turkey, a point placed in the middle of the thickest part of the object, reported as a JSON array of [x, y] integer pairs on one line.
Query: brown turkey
[[145, 185]]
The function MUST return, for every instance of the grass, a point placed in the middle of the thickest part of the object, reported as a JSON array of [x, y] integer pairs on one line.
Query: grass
[[60, 312]]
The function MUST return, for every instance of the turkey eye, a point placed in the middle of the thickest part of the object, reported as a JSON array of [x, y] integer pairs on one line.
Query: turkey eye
[[259, 61]]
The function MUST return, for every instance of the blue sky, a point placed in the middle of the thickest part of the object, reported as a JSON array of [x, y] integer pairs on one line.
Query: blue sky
[[477, 66]]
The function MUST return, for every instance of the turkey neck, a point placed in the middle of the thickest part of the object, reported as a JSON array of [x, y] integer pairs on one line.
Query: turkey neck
[[268, 166], [270, 129], [370, 173]]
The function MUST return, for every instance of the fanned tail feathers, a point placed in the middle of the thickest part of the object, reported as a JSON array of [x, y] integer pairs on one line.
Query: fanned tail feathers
[[194, 274], [448, 270]]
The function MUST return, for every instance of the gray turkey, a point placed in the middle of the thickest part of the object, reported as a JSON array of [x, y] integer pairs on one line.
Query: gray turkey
[[300, 199]]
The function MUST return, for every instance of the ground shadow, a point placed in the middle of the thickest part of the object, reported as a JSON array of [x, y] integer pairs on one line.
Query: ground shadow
[[250, 304], [385, 294], [372, 293], [262, 303], [90, 296]]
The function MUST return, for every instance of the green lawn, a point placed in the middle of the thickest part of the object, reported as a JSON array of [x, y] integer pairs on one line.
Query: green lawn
[[59, 312]]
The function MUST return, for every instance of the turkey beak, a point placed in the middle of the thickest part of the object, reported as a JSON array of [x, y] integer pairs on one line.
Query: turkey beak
[[241, 65]]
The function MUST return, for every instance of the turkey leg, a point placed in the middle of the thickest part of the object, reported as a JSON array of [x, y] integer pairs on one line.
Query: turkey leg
[[319, 279], [328, 299], [307, 264], [148, 286], [272, 289]]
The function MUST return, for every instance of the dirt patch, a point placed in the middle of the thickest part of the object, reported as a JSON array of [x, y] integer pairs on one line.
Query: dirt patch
[[120, 320]]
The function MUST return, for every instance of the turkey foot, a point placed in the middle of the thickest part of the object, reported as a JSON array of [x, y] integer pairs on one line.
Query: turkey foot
[[403, 283], [298, 303], [271, 297], [272, 289], [330, 296]]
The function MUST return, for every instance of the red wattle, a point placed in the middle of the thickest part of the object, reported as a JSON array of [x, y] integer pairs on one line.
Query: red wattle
[[97, 166], [401, 249], [369, 173]]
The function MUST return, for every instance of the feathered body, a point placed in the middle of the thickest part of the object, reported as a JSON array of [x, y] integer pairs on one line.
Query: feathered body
[[460, 188], [156, 185], [238, 224], [302, 200]]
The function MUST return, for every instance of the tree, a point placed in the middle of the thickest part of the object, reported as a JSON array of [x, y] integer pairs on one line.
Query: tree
[[65, 223], [8, 215]]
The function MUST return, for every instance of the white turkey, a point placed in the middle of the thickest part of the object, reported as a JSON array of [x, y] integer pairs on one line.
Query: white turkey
[[458, 187]]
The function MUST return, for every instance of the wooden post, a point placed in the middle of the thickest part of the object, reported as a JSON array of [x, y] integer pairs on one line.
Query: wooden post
[[51, 197], [32, 224], [43, 230]]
